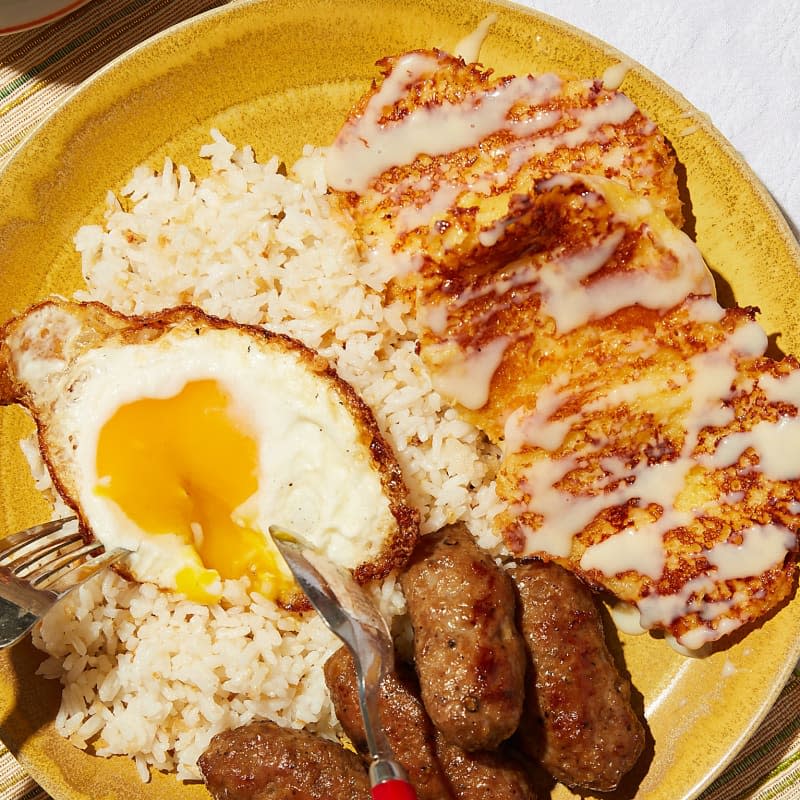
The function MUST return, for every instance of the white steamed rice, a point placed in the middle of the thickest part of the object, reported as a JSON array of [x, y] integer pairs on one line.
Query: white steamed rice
[[150, 675]]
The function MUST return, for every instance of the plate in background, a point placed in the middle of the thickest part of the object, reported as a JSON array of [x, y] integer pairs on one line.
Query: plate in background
[[277, 74], [22, 15]]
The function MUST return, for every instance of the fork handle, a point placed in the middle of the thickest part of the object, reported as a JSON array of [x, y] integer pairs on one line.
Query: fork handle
[[15, 622]]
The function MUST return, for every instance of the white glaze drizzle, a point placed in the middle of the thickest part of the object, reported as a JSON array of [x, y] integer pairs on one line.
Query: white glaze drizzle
[[469, 48], [632, 549], [614, 75], [561, 282], [785, 389], [761, 546], [572, 301], [366, 148], [441, 200], [706, 309], [659, 610], [537, 428], [468, 380], [616, 110], [434, 317], [626, 618], [777, 445]]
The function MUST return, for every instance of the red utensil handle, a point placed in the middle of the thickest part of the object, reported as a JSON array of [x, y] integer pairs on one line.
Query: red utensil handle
[[395, 789]]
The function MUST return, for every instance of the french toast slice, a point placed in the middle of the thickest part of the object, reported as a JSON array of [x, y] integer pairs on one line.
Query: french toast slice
[[533, 223], [433, 156]]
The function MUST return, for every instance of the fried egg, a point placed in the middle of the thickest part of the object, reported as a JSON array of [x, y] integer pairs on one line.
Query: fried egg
[[182, 438]]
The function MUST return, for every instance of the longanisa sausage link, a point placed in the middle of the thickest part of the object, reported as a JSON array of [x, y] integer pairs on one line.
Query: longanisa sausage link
[[403, 719], [469, 656], [578, 720], [437, 769], [262, 761]]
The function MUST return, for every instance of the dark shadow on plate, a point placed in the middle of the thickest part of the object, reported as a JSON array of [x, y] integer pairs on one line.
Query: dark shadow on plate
[[689, 219], [38, 699], [541, 781], [725, 294], [741, 633], [774, 350], [727, 299]]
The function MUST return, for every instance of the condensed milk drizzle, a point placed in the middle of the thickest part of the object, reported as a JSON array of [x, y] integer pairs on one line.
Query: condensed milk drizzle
[[499, 130], [615, 74], [469, 48], [369, 145], [469, 378], [707, 384], [617, 110], [564, 284]]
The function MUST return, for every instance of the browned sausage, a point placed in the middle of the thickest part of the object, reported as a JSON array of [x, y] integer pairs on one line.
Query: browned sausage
[[262, 761], [578, 719], [437, 769], [403, 719], [483, 774], [469, 656]]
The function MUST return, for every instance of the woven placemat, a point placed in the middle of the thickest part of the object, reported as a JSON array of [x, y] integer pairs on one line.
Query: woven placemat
[[38, 69]]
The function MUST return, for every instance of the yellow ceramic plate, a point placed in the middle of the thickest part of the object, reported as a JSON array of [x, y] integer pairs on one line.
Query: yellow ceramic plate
[[280, 73]]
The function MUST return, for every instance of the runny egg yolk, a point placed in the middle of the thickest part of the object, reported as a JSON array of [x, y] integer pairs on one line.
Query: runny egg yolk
[[183, 465]]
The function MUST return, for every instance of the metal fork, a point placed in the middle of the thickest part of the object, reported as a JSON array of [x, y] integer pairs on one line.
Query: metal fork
[[350, 614], [41, 565]]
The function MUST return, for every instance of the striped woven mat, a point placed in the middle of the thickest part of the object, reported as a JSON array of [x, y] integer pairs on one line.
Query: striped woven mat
[[37, 70]]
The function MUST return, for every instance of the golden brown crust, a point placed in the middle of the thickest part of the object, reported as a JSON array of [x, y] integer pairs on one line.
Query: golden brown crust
[[654, 431], [498, 294], [632, 152]]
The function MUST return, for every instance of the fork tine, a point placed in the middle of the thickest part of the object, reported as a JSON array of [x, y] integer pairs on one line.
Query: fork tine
[[27, 600], [44, 567], [33, 558], [74, 558], [80, 573], [11, 544]]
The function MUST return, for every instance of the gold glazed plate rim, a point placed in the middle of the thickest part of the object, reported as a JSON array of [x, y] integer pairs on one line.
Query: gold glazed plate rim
[[256, 89]]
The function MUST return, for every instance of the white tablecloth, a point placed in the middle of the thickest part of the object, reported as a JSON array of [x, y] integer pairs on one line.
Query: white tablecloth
[[736, 60]]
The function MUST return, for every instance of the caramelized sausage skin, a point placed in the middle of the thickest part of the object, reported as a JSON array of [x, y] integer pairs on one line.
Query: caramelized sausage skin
[[262, 761], [437, 769], [484, 774], [469, 656], [578, 720], [402, 715]]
